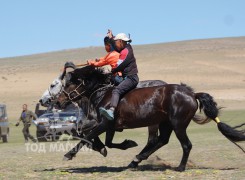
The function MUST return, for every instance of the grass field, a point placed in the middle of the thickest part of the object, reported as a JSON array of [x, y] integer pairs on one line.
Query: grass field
[[212, 157]]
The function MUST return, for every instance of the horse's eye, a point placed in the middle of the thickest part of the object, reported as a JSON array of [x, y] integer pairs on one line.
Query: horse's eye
[[51, 85]]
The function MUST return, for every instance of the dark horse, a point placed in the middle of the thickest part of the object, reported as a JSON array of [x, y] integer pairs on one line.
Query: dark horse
[[91, 115], [169, 106]]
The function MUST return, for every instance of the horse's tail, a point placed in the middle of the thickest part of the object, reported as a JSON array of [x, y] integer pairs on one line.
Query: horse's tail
[[209, 106]]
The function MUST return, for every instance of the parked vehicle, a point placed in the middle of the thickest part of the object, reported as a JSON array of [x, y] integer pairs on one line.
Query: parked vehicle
[[51, 125], [4, 124], [39, 111]]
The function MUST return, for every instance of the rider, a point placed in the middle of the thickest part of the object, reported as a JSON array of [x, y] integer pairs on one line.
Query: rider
[[110, 59], [127, 65]]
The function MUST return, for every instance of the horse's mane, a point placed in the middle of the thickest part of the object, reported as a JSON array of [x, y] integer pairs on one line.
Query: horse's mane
[[89, 72]]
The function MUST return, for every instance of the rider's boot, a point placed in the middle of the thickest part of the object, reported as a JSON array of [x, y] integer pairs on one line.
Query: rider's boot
[[108, 113]]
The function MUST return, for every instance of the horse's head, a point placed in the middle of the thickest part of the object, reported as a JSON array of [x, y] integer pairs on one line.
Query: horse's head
[[81, 83], [52, 93]]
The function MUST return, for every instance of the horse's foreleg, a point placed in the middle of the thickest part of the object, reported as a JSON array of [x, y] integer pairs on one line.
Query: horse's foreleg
[[99, 146], [102, 127], [73, 151]]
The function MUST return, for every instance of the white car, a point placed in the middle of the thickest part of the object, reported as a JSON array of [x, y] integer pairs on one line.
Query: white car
[[50, 126]]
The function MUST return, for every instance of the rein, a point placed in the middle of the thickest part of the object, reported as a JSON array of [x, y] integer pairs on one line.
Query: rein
[[72, 99], [107, 86], [79, 114]]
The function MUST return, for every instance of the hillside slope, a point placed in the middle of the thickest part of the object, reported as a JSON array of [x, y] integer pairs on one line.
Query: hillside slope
[[216, 66]]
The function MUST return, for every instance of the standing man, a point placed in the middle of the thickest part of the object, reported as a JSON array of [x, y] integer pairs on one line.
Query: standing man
[[26, 117]]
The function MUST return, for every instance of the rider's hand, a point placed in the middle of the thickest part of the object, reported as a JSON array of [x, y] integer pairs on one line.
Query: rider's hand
[[109, 33], [90, 62]]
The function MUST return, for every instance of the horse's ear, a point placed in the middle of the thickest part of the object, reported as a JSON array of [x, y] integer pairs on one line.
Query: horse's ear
[[62, 75], [69, 65]]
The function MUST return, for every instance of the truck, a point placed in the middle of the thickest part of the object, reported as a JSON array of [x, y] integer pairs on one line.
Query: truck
[[4, 124]]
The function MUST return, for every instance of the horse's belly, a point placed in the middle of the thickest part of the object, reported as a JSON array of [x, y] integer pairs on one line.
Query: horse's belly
[[140, 120]]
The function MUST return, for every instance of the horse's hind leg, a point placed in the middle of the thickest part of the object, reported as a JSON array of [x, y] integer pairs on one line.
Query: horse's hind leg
[[186, 146], [152, 140], [165, 130]]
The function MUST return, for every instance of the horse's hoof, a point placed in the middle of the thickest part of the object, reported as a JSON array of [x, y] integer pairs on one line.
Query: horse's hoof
[[129, 144], [103, 151], [67, 157], [133, 165], [180, 169]]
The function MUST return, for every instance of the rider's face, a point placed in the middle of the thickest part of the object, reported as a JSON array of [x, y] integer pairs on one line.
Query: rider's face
[[119, 45], [107, 47]]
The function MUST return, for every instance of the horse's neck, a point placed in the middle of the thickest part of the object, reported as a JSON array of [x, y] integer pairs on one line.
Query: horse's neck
[[96, 98]]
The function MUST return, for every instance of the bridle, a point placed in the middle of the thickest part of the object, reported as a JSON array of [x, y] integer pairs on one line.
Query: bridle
[[68, 94], [53, 96], [72, 98]]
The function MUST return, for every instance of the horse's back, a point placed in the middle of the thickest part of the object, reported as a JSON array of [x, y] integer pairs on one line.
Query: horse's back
[[150, 83], [152, 105]]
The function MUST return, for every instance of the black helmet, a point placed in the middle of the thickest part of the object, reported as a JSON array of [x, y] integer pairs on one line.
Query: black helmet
[[107, 40]]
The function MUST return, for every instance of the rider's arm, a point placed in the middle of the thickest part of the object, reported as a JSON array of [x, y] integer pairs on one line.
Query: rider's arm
[[98, 63], [110, 59], [20, 119], [123, 61]]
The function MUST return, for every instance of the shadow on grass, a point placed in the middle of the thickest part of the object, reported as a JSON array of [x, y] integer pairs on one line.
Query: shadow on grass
[[105, 169]]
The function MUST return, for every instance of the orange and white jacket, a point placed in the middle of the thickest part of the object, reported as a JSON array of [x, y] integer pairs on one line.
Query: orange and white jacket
[[110, 59]]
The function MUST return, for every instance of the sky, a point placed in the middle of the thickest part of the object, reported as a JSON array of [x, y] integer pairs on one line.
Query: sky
[[36, 26]]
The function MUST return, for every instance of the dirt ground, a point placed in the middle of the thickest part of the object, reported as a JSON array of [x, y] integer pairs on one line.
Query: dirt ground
[[215, 66]]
